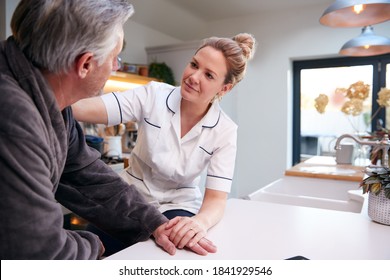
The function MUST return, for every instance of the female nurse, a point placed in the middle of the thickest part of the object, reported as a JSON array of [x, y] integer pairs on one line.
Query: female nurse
[[182, 131]]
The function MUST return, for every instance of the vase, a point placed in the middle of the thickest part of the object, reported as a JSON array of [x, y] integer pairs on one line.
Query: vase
[[379, 208]]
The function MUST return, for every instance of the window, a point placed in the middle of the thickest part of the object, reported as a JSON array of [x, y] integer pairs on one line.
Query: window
[[315, 133]]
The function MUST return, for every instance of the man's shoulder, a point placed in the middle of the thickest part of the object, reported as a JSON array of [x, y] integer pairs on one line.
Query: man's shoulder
[[17, 108], [13, 98]]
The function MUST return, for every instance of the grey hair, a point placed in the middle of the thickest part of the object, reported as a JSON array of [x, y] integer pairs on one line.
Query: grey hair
[[53, 33]]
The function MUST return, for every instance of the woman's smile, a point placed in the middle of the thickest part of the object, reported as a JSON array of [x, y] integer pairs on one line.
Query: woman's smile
[[189, 87]]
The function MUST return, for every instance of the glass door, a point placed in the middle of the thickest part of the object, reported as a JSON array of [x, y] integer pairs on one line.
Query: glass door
[[333, 97]]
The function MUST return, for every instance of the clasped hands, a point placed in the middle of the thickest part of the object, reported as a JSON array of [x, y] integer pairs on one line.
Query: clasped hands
[[183, 232]]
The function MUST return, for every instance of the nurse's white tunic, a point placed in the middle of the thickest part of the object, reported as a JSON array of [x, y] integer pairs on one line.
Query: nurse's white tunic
[[163, 166]]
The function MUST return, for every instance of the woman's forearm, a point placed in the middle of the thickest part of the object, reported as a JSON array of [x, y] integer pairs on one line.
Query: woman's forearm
[[212, 209], [90, 110], [188, 231]]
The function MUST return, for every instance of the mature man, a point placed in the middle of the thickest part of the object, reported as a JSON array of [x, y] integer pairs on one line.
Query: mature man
[[62, 51]]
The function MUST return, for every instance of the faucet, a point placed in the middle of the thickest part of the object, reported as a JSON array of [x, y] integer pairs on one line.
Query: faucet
[[383, 145]]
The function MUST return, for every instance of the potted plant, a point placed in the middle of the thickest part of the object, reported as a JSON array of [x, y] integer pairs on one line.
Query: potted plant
[[377, 185], [162, 72]]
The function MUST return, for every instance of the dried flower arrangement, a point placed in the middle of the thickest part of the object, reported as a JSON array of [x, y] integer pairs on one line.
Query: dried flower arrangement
[[356, 94]]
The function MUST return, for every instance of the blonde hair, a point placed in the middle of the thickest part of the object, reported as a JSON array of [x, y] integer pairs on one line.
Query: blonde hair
[[237, 51]]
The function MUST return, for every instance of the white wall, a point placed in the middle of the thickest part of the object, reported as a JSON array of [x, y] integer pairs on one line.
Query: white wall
[[7, 7], [3, 20], [138, 37]]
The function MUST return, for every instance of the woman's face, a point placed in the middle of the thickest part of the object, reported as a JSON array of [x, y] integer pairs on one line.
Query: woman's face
[[204, 77]]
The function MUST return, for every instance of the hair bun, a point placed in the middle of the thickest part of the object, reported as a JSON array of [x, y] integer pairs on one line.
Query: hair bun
[[247, 43]]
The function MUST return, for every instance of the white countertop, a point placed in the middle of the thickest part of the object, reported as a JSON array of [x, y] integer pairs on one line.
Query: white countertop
[[270, 231]]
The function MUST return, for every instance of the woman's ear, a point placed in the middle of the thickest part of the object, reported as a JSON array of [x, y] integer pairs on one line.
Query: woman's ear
[[84, 64], [225, 89]]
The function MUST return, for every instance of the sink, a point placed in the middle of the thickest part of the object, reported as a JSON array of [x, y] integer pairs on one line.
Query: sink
[[313, 192]]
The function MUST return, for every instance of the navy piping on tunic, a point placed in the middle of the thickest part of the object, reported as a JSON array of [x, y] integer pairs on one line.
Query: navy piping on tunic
[[119, 105], [151, 123], [127, 171], [210, 153], [166, 101], [219, 116], [220, 177]]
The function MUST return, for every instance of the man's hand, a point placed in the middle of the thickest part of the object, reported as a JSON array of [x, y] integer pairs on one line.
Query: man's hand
[[102, 249], [161, 235]]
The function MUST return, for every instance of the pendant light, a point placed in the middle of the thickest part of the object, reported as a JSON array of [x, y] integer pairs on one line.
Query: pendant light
[[355, 13], [367, 44]]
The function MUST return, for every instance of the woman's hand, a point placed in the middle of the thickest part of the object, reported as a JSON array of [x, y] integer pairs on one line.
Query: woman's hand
[[162, 235], [186, 231]]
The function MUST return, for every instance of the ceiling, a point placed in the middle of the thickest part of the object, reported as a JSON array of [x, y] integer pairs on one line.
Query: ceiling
[[210, 10], [181, 18]]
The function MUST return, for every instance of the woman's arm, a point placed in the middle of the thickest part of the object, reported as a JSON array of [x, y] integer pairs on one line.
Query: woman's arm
[[91, 110], [212, 208], [188, 231]]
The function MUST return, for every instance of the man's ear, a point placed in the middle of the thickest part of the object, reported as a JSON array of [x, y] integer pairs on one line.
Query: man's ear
[[84, 64]]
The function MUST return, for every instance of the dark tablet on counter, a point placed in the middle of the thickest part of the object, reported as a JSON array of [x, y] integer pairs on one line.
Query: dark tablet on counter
[[297, 258]]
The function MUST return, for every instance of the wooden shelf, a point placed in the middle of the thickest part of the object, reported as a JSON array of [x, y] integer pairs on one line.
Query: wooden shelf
[[326, 168], [121, 81]]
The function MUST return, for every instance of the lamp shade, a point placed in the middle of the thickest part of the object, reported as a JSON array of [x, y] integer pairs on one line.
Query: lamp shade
[[367, 44], [355, 13]]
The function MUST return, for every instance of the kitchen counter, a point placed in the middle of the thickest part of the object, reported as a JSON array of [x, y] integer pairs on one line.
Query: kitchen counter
[[253, 230], [326, 168]]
